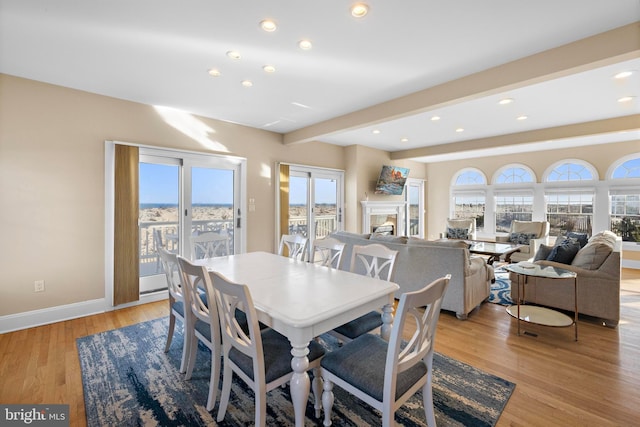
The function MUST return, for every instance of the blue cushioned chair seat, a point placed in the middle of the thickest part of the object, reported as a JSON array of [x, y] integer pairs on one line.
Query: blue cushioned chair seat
[[277, 356], [178, 306], [361, 363], [361, 325]]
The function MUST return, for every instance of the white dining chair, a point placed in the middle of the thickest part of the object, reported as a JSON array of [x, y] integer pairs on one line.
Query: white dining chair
[[209, 245], [295, 244], [176, 301], [261, 358], [204, 324], [327, 252], [376, 261], [386, 374]]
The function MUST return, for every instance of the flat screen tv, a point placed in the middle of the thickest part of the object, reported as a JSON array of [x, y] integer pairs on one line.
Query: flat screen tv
[[391, 180]]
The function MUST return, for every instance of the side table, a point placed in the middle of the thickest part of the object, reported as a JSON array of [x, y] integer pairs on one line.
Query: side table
[[542, 315]]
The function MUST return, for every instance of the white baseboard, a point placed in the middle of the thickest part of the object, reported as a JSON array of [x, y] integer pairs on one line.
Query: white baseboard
[[45, 316], [628, 263]]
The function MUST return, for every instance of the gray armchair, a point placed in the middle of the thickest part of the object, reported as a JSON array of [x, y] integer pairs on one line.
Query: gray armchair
[[531, 234]]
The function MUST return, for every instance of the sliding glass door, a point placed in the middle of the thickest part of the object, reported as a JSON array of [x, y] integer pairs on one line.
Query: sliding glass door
[[183, 195]]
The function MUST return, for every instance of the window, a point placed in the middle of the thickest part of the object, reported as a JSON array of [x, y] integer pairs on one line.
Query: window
[[624, 198], [414, 197], [570, 209], [511, 207], [513, 200], [469, 196]]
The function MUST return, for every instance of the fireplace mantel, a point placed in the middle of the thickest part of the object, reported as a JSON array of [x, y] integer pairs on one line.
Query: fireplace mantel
[[391, 208]]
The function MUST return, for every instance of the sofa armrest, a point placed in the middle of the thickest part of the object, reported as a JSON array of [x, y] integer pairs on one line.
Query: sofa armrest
[[581, 272]]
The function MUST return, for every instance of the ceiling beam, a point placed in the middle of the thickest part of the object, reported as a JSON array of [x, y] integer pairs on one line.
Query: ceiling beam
[[606, 48], [596, 127]]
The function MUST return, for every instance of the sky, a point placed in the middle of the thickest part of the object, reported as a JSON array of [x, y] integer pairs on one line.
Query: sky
[[159, 185]]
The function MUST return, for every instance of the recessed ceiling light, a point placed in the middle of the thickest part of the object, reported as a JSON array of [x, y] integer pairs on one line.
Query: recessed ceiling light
[[269, 69], [247, 83], [626, 99], [523, 117], [404, 139], [623, 75], [435, 118], [505, 101], [233, 54], [359, 10], [460, 130], [375, 131], [268, 25], [305, 44], [214, 72]]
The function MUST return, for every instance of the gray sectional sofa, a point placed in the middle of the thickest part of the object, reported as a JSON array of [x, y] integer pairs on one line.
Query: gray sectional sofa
[[420, 261]]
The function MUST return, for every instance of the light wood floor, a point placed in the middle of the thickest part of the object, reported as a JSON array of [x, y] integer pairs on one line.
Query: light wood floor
[[559, 382]]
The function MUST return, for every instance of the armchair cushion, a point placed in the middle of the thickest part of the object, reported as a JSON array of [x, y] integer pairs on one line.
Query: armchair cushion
[[457, 233], [522, 238]]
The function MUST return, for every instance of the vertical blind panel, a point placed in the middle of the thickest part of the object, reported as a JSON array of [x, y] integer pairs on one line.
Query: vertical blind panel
[[126, 269]]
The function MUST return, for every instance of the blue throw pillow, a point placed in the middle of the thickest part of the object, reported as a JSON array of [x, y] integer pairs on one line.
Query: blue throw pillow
[[564, 252], [457, 233], [522, 238], [542, 252], [582, 238]]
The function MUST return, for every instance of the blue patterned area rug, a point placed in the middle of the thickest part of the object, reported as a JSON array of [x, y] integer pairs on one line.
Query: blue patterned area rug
[[128, 380], [501, 288]]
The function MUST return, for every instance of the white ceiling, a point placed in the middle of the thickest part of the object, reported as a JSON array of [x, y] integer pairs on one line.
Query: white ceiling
[[158, 53]]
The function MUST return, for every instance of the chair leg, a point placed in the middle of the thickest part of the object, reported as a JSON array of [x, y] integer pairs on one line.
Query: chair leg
[[261, 405], [214, 380], [193, 351], [317, 391], [427, 401], [172, 325], [327, 401], [227, 378]]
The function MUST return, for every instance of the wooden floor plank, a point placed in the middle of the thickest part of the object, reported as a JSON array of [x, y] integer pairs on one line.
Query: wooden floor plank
[[559, 382]]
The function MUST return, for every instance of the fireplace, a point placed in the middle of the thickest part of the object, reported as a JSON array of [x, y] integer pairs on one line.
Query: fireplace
[[383, 217]]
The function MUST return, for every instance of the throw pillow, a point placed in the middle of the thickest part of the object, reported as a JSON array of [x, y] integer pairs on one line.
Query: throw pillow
[[592, 256], [582, 238], [564, 252], [543, 252], [457, 233], [522, 238]]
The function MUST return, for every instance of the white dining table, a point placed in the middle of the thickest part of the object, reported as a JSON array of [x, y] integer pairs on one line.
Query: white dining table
[[303, 300]]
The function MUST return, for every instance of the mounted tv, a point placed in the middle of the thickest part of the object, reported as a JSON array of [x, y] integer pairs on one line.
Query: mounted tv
[[392, 180]]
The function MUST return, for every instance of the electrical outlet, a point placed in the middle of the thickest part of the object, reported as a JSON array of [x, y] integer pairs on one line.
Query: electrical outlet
[[38, 286]]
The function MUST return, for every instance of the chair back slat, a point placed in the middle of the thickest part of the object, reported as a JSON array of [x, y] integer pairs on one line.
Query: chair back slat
[[295, 245], [328, 252], [424, 306], [169, 262], [209, 245], [377, 260]]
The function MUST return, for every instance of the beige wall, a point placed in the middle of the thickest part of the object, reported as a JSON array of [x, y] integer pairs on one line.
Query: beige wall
[[52, 184], [440, 174]]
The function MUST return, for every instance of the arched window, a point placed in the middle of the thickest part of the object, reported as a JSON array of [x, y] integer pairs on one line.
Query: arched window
[[513, 195], [570, 196], [469, 195], [624, 197]]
